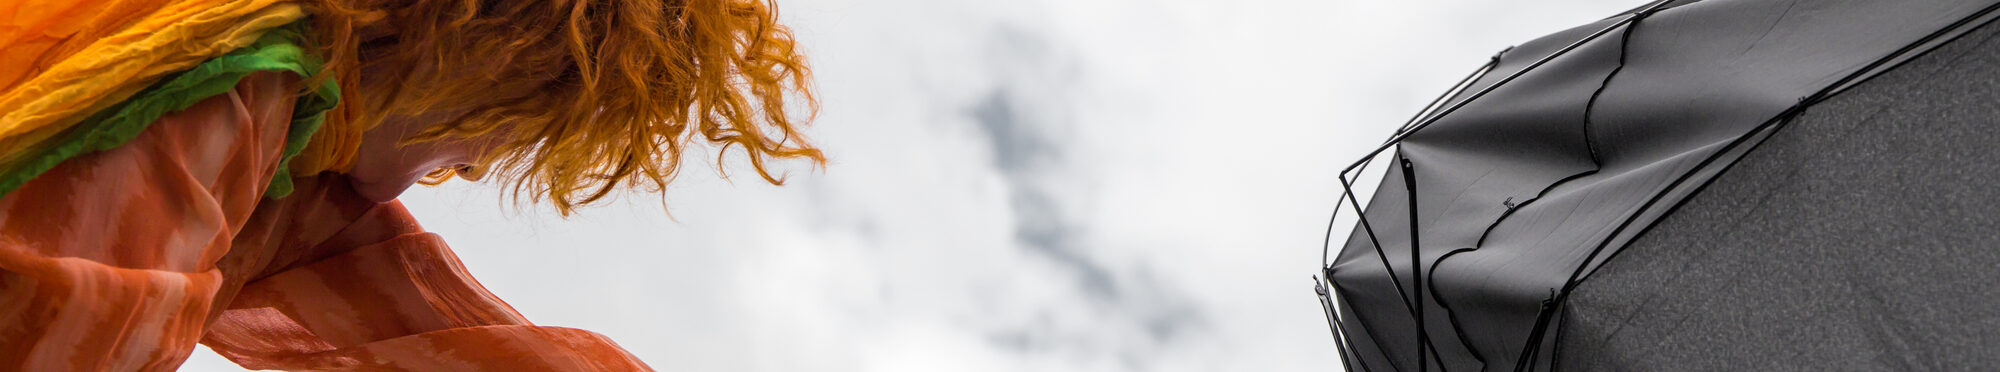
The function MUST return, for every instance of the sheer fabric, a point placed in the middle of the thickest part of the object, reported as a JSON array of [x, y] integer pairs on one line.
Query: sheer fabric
[[124, 259]]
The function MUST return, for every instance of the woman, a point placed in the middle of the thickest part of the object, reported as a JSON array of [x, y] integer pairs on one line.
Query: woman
[[166, 181]]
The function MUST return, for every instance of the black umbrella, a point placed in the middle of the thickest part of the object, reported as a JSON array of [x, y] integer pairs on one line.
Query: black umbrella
[[1694, 185]]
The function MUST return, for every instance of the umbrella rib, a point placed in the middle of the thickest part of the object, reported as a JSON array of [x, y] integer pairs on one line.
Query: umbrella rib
[[1348, 193], [1448, 93], [1326, 241], [1335, 292], [1384, 257], [1417, 267], [1370, 230], [1332, 322]]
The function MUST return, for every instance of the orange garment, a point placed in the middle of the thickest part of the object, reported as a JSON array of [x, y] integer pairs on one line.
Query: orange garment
[[122, 260]]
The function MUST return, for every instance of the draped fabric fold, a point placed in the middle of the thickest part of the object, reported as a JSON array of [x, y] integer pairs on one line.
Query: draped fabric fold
[[83, 75], [402, 304], [67, 60]]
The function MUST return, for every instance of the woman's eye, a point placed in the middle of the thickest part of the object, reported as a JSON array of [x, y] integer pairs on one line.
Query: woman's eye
[[468, 172]]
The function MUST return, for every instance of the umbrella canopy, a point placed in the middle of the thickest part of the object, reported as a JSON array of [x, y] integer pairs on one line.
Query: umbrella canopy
[[1695, 184]]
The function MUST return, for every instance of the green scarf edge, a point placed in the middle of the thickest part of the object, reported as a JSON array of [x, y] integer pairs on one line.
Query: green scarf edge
[[279, 49]]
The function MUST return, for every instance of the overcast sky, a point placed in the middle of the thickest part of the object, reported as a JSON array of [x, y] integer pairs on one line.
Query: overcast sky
[[1026, 185]]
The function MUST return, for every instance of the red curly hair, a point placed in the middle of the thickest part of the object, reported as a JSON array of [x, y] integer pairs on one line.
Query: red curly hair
[[591, 95]]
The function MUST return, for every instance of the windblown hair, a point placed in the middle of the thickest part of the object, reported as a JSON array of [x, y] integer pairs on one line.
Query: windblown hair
[[592, 95]]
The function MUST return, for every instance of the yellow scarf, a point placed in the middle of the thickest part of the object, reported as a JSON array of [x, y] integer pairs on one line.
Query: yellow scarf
[[62, 61]]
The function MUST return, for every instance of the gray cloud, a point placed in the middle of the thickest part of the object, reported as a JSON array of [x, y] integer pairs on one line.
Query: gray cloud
[[1025, 119]]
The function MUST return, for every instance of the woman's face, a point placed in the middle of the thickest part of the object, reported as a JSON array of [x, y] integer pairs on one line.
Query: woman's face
[[383, 169]]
